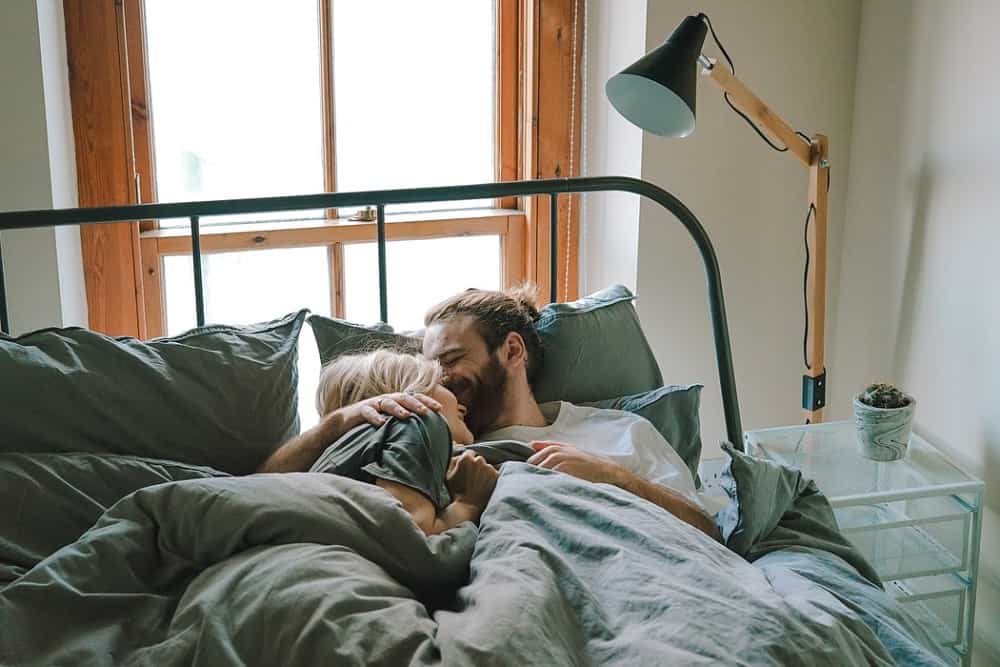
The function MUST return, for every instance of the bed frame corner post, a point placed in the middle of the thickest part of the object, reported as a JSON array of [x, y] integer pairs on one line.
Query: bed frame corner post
[[4, 322]]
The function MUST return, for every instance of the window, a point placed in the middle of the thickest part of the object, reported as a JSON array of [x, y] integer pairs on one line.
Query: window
[[236, 99], [409, 112], [241, 98]]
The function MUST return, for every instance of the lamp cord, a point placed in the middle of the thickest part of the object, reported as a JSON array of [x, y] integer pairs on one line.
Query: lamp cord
[[805, 285], [810, 214], [732, 68]]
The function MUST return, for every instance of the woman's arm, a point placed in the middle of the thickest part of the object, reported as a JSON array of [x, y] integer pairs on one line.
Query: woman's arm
[[423, 511], [299, 453], [470, 481]]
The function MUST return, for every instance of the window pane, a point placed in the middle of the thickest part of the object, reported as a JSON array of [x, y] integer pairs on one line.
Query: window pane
[[414, 94], [235, 97], [419, 275], [247, 287]]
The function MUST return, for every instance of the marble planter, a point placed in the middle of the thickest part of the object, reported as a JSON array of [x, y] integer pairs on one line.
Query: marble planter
[[883, 433]]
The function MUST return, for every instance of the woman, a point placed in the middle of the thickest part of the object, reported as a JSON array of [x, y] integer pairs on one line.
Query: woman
[[412, 458]]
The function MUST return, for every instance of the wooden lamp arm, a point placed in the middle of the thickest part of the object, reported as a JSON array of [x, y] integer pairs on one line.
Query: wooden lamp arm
[[759, 112], [813, 154]]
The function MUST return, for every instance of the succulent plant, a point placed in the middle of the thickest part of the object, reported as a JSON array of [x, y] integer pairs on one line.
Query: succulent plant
[[884, 396]]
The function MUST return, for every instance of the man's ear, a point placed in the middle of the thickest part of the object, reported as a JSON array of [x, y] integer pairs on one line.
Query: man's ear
[[513, 351]]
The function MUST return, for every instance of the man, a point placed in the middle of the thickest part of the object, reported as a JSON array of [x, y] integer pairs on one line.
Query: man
[[491, 352]]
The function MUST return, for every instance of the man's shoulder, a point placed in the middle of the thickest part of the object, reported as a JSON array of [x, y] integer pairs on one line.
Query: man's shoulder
[[581, 413]]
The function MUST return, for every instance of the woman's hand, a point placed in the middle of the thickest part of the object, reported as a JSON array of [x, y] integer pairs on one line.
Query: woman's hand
[[375, 410], [471, 479]]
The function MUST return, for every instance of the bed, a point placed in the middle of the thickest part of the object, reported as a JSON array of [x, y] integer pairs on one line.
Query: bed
[[132, 532]]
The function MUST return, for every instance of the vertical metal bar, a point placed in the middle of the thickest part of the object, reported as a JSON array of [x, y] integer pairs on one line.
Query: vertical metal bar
[[723, 352], [199, 287], [383, 296], [4, 324], [553, 246], [970, 619]]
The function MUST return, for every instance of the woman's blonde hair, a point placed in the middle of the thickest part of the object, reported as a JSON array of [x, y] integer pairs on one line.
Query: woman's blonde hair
[[356, 377]]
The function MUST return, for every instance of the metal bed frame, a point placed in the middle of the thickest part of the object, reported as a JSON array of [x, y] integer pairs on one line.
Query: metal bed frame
[[552, 188]]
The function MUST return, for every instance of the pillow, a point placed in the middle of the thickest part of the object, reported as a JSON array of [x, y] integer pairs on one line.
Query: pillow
[[673, 410], [594, 347], [220, 396], [594, 350], [78, 488], [335, 338]]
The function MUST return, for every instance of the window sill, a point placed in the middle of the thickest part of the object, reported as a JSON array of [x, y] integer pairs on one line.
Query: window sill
[[283, 234]]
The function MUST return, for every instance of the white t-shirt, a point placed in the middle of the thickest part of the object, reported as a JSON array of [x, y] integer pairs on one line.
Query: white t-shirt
[[623, 437]]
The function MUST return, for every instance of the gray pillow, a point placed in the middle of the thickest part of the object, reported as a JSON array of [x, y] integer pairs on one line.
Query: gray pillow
[[220, 396], [673, 410], [77, 490], [594, 347], [335, 338], [594, 350]]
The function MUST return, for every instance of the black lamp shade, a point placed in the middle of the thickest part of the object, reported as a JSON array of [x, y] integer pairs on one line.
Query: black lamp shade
[[657, 92]]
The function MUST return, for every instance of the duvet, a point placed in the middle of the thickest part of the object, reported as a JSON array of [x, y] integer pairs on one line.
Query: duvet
[[310, 568]]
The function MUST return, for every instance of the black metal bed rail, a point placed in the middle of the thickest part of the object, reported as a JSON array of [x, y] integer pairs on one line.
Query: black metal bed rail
[[552, 188]]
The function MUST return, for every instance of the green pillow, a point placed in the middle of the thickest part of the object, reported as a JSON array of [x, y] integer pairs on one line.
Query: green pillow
[[594, 347], [78, 488], [335, 338], [673, 410], [220, 396]]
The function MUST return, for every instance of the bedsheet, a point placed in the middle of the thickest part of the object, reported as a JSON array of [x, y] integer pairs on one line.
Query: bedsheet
[[307, 567]]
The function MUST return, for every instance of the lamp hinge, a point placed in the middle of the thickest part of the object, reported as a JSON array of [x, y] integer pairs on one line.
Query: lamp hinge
[[814, 392]]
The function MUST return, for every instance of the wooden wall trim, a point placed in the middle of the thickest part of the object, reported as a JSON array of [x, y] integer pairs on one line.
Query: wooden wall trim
[[551, 119], [102, 127]]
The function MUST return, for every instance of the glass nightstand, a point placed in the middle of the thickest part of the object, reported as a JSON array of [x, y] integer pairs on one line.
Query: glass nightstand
[[918, 520]]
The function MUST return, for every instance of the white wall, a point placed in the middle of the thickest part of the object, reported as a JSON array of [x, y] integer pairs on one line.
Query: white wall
[[609, 222], [799, 57], [918, 288], [37, 166]]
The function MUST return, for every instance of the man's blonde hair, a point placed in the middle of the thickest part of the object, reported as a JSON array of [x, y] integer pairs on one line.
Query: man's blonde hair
[[356, 377]]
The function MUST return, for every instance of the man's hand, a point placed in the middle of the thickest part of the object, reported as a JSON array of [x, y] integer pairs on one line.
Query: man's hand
[[471, 479], [572, 461], [374, 410]]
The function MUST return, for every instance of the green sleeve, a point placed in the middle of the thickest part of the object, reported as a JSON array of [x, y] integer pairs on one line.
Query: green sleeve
[[416, 452]]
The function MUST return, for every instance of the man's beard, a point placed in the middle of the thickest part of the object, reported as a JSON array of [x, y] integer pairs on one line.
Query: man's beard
[[484, 401]]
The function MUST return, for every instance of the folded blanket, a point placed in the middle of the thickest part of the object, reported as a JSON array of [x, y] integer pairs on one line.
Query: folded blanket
[[308, 568]]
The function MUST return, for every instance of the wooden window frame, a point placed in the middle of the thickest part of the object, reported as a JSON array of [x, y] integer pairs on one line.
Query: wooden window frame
[[539, 46]]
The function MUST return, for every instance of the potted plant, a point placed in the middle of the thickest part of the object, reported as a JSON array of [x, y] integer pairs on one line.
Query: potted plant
[[883, 415]]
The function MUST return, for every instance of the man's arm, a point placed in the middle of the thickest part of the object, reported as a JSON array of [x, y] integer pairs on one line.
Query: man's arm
[[299, 453], [670, 500], [572, 461]]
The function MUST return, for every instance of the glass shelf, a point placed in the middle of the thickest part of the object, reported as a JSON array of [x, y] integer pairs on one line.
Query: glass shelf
[[937, 602], [910, 551], [828, 453], [916, 520], [906, 512]]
